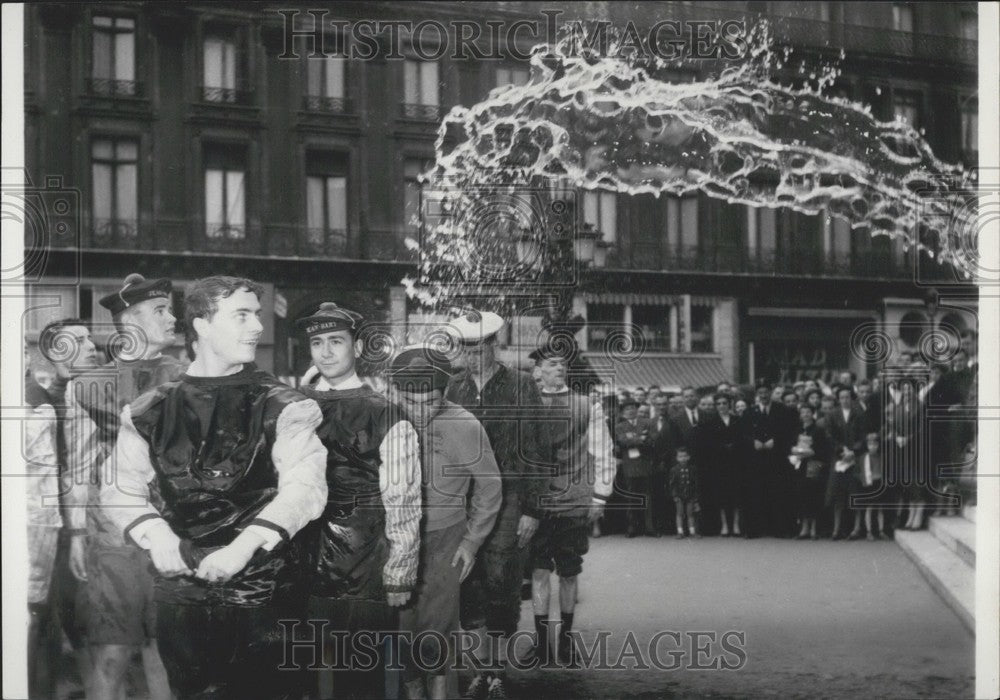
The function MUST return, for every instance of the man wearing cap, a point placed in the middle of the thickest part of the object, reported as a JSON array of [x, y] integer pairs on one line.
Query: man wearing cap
[[507, 403], [575, 433], [363, 551], [120, 613], [456, 455], [215, 473]]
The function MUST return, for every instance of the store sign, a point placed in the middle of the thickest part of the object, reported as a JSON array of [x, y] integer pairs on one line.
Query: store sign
[[787, 362]]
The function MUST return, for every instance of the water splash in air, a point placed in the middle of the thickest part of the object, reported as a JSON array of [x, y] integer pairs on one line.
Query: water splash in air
[[624, 126]]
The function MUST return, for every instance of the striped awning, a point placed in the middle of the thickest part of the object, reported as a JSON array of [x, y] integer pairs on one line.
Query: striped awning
[[646, 299], [671, 373]]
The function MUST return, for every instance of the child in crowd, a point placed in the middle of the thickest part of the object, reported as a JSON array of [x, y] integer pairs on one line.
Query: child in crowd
[[871, 481], [684, 489]]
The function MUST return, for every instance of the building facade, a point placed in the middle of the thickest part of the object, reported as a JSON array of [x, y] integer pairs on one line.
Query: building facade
[[196, 139]]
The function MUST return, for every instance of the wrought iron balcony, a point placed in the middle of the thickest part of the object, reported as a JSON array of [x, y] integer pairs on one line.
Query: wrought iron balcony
[[223, 95], [410, 110], [734, 259], [331, 105], [106, 87], [387, 245], [114, 233], [222, 238], [306, 242]]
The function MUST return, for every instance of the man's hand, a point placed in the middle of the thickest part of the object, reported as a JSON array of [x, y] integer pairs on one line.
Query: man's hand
[[769, 445], [758, 445], [526, 528], [465, 557], [221, 565], [164, 550], [78, 556], [596, 511], [397, 600]]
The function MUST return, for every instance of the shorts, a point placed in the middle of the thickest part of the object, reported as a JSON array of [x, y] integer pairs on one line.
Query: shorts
[[43, 542], [561, 541], [120, 606]]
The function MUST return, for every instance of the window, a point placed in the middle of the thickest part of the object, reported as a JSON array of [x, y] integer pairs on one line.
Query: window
[[225, 192], [421, 94], [413, 192], [836, 241], [512, 75], [906, 106], [115, 181], [602, 321], [762, 233], [113, 62], [326, 202], [600, 210], [682, 225], [326, 83], [654, 322], [970, 127], [221, 70], [702, 319], [902, 17], [970, 26]]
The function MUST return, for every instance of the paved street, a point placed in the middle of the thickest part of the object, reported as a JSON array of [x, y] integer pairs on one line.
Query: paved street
[[822, 619]]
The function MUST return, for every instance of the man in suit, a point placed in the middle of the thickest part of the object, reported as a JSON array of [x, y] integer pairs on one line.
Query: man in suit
[[662, 454], [685, 432], [686, 420], [772, 428], [634, 436]]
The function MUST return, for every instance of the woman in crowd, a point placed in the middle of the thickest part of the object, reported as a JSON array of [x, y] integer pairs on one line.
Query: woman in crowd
[[814, 397], [810, 457], [907, 425], [727, 443], [845, 425], [740, 406]]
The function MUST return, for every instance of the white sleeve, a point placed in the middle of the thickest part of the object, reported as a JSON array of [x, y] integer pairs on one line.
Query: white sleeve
[[300, 460], [599, 444], [125, 495], [399, 482]]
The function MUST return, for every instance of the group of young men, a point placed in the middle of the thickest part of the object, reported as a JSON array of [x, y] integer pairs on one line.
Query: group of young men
[[217, 517]]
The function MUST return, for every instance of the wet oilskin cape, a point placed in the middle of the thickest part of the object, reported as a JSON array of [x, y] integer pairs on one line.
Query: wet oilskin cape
[[210, 441], [347, 546], [103, 393]]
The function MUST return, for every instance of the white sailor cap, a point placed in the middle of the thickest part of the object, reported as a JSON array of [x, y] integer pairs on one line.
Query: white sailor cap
[[475, 327]]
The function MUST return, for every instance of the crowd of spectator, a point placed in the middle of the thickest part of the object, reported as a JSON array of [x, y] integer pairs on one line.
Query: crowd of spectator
[[848, 459]]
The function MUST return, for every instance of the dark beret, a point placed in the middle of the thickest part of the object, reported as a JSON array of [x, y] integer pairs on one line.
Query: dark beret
[[135, 289]]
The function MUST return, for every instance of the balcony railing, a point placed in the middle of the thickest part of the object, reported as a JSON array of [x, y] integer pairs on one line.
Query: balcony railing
[[387, 244], [733, 259], [224, 95], [106, 87], [410, 110], [179, 235], [331, 105], [114, 233], [879, 40], [307, 243]]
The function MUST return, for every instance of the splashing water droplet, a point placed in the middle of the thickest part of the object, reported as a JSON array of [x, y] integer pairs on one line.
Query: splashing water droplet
[[631, 128]]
